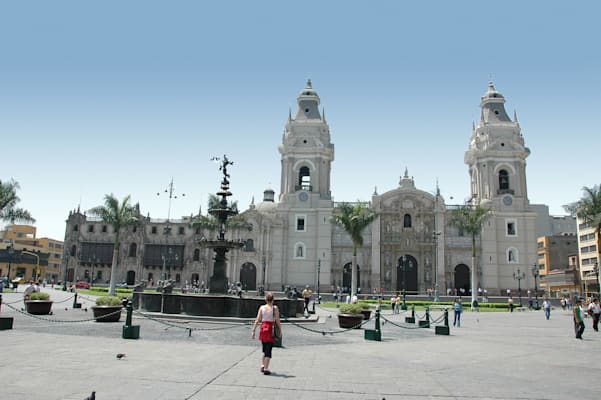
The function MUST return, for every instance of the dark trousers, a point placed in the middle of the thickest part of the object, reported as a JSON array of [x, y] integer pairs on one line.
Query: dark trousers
[[596, 321], [307, 300], [579, 329]]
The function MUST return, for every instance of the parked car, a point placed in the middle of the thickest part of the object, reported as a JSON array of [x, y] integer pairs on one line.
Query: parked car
[[19, 280], [82, 285]]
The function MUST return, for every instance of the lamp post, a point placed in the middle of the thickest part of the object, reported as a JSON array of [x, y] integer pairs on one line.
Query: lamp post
[[318, 273], [436, 294], [66, 257], [519, 276], [264, 265], [596, 271], [169, 257], [535, 274], [37, 268], [405, 264], [10, 250]]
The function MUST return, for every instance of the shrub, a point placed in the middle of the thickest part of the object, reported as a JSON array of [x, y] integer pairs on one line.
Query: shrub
[[108, 301], [350, 309], [39, 296], [364, 305]]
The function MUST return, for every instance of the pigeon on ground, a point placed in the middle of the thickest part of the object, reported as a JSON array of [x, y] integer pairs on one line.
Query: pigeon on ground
[[120, 356], [91, 397]]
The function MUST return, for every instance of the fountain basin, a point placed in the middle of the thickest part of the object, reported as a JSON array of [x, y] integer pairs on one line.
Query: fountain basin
[[211, 305]]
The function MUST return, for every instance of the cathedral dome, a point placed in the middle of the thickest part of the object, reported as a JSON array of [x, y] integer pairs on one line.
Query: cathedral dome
[[268, 203]]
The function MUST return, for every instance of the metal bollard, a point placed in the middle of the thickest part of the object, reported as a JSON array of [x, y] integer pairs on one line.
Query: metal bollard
[[5, 322], [130, 331], [374, 334], [75, 303], [413, 310], [444, 329], [426, 322]]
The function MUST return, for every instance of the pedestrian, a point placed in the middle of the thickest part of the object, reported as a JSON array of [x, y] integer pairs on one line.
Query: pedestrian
[[29, 290], [393, 304], [269, 317], [510, 303], [307, 293], [458, 309], [398, 303], [578, 318], [547, 307], [594, 310]]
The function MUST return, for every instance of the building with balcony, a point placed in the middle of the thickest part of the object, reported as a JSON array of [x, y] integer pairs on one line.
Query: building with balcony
[[23, 254]]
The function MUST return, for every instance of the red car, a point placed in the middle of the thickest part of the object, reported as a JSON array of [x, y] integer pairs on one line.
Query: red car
[[82, 285]]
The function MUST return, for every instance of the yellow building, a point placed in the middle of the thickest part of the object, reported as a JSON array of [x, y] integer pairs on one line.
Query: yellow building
[[557, 265], [23, 254], [588, 251]]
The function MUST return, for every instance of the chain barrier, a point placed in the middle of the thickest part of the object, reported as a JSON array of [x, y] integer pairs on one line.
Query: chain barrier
[[437, 320], [188, 328], [62, 321], [324, 332], [400, 326], [64, 301]]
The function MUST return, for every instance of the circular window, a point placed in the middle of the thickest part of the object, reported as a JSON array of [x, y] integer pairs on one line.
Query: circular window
[[305, 141], [502, 144], [497, 112], [306, 110]]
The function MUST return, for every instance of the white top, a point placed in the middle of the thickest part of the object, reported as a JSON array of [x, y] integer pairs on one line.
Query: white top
[[266, 313]]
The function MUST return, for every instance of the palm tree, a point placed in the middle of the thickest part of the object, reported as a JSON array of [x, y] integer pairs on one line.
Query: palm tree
[[354, 218], [8, 204], [588, 210], [119, 216], [469, 219]]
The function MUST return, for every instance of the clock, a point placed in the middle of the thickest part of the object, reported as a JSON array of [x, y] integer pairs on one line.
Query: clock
[[507, 200], [303, 196]]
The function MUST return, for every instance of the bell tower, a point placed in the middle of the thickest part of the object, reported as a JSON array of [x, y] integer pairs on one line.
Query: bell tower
[[306, 151], [305, 198], [496, 158]]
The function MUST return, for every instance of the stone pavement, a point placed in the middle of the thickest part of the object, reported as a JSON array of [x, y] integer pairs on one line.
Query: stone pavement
[[492, 356]]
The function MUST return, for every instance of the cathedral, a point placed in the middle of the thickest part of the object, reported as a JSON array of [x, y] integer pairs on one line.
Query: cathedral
[[292, 241]]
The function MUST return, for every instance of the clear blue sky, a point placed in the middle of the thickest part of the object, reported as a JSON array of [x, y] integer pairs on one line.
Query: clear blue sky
[[120, 96]]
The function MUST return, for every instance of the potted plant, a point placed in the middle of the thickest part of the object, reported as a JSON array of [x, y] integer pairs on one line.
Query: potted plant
[[350, 316], [365, 310], [39, 303], [108, 309]]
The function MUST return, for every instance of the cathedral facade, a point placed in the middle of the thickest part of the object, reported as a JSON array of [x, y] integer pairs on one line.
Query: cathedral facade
[[292, 241]]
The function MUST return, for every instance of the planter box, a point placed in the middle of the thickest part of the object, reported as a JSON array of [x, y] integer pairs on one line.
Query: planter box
[[366, 314], [6, 323], [107, 313], [38, 307], [347, 321], [410, 320]]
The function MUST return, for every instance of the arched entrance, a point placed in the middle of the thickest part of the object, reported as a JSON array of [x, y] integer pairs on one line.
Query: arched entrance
[[406, 274], [131, 277], [248, 276], [462, 279], [347, 275]]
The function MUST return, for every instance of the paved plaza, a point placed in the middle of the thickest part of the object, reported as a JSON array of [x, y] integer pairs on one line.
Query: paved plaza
[[495, 355]]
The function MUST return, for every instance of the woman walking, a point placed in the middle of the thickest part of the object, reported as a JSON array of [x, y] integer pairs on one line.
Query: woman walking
[[268, 316], [457, 307]]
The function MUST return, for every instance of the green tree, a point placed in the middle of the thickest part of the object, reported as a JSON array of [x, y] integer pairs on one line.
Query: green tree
[[354, 218], [588, 210], [470, 219], [8, 204], [119, 216], [211, 223]]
